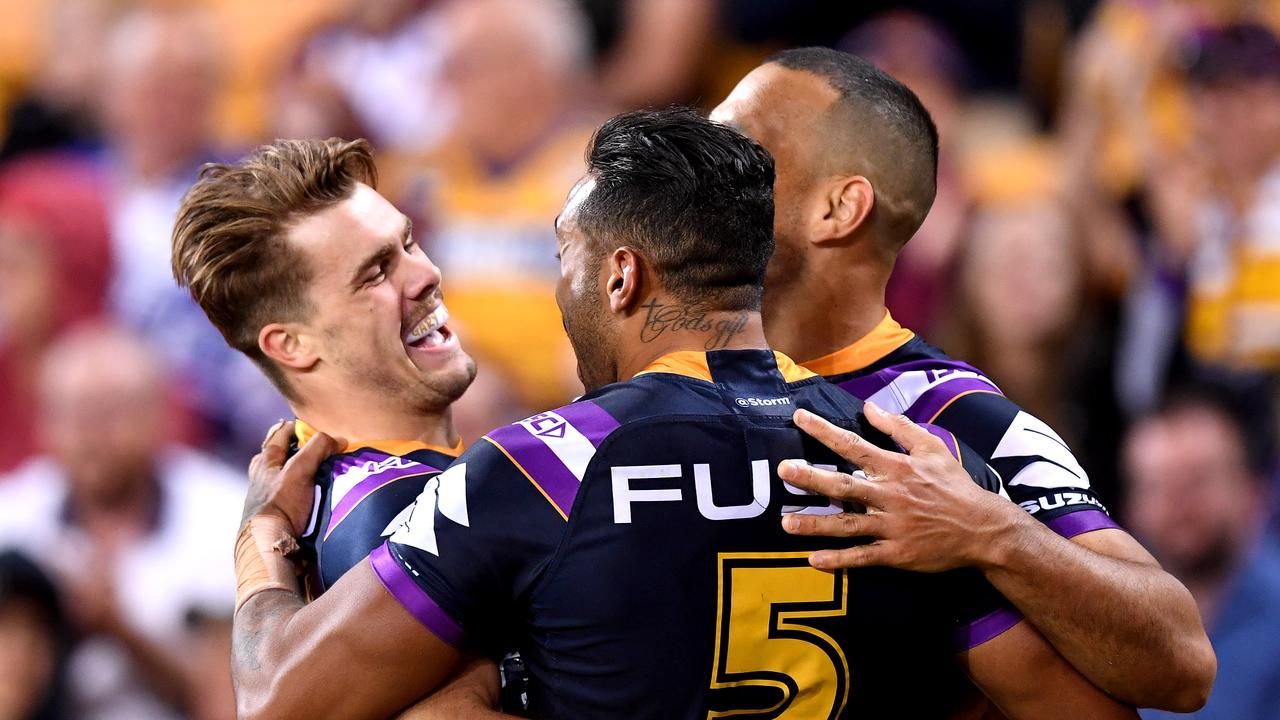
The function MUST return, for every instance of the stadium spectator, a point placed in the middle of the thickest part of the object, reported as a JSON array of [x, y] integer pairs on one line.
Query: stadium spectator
[[1198, 490], [161, 73], [377, 68], [55, 111], [55, 261], [649, 53], [491, 191], [1233, 316], [1020, 292], [33, 642], [138, 532]]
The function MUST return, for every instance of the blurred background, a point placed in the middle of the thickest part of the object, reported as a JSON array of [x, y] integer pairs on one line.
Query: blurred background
[[1105, 244]]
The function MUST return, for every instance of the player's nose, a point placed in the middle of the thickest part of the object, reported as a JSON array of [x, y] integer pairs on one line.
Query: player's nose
[[424, 277]]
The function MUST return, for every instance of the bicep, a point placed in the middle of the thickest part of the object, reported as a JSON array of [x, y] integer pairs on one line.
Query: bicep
[[356, 652], [1026, 678]]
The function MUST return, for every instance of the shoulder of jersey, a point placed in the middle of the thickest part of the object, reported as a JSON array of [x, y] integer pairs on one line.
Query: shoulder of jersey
[[920, 385], [554, 449], [353, 476]]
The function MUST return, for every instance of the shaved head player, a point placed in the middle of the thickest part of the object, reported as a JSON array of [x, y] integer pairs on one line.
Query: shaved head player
[[857, 162]]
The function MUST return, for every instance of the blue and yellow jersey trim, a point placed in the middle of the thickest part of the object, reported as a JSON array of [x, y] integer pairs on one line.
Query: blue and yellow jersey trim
[[693, 364]]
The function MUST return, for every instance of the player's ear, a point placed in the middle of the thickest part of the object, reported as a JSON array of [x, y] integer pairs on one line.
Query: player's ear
[[623, 285], [848, 204], [283, 343]]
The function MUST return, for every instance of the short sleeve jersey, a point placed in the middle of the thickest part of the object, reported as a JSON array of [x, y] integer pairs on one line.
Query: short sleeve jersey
[[902, 373], [630, 544], [361, 495]]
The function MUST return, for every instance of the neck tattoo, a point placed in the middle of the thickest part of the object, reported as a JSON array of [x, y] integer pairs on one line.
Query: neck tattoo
[[661, 319]]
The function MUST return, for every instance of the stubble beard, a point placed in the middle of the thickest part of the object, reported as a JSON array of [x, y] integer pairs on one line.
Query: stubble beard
[[591, 346]]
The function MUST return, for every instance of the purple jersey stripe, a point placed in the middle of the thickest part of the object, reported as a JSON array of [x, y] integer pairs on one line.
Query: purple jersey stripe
[[973, 634], [539, 464], [589, 419], [395, 578], [945, 436], [1083, 521], [868, 385], [932, 401], [369, 485]]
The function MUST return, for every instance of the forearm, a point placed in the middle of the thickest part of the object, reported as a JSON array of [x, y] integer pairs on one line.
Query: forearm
[[1026, 680], [471, 693], [1129, 627], [353, 653]]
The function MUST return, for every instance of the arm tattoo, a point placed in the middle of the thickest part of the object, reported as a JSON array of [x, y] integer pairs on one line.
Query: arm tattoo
[[661, 319], [264, 614], [255, 499]]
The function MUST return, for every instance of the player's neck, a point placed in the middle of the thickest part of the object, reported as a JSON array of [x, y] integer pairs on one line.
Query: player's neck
[[813, 314], [372, 421], [661, 328]]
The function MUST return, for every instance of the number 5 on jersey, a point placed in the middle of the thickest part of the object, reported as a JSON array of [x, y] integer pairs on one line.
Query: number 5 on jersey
[[765, 624]]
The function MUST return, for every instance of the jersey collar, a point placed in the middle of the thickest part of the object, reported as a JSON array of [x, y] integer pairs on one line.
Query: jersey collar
[[305, 432], [867, 350], [693, 363]]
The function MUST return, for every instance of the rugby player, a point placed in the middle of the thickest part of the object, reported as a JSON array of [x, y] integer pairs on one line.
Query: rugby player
[[629, 541], [386, 382], [320, 326], [856, 158]]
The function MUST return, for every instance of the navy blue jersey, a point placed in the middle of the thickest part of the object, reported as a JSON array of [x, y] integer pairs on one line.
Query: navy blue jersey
[[630, 544], [902, 373], [362, 494]]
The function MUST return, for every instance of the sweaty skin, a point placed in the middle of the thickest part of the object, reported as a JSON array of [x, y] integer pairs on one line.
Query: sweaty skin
[[1100, 598]]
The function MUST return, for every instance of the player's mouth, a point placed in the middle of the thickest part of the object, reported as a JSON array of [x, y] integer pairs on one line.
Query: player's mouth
[[432, 332]]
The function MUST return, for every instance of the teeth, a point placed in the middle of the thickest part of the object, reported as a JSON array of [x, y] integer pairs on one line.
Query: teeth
[[429, 325]]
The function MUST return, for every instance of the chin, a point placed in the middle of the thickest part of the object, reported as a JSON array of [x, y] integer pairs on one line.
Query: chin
[[450, 382]]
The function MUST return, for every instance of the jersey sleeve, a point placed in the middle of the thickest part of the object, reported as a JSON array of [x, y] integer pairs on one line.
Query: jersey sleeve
[[474, 542], [1038, 470]]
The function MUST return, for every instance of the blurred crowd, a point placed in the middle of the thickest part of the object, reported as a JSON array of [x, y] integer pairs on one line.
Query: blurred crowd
[[1105, 245]]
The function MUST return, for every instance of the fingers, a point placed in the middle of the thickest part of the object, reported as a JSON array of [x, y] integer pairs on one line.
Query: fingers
[[835, 485], [275, 447], [307, 461], [271, 431], [848, 445], [876, 553], [909, 435], [838, 525]]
